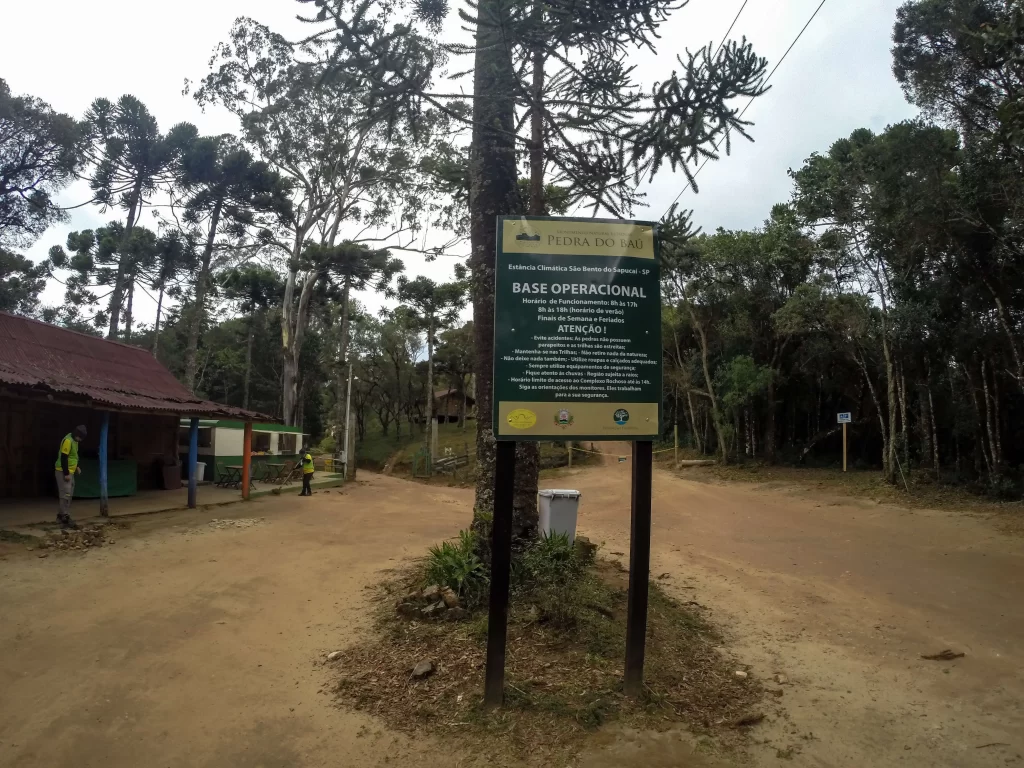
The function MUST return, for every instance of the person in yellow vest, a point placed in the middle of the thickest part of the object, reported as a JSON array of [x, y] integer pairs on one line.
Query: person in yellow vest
[[307, 473], [65, 470]]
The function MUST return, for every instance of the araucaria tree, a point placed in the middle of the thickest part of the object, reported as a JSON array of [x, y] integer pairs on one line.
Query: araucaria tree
[[437, 307], [40, 153], [129, 159], [225, 193], [253, 289], [552, 91]]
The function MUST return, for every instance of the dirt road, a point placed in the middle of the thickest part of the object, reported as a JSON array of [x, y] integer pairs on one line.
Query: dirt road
[[186, 644], [843, 597]]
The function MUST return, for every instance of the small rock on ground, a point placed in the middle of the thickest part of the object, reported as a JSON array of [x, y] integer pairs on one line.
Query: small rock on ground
[[409, 610], [432, 593], [334, 655], [434, 610], [740, 674], [423, 670]]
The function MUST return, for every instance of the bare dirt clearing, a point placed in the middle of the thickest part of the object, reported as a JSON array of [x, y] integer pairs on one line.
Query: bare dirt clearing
[[843, 596], [186, 644]]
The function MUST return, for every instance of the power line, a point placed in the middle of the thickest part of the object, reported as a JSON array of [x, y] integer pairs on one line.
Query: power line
[[689, 183], [735, 19]]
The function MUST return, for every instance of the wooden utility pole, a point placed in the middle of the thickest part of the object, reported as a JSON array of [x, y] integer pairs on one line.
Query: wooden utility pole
[[844, 446]]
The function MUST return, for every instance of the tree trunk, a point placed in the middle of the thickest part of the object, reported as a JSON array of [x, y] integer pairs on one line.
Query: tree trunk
[[904, 443], [465, 402], [924, 427], [716, 414], [936, 466], [248, 360], [430, 390], [982, 446], [293, 350], [769, 430], [817, 409], [198, 314], [537, 128], [494, 192], [893, 402], [989, 421], [290, 321], [1004, 321], [117, 295], [886, 456], [752, 426], [343, 356], [998, 422], [156, 325], [130, 291], [697, 437]]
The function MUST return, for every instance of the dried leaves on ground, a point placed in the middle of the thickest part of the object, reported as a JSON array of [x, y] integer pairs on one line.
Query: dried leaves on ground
[[563, 672]]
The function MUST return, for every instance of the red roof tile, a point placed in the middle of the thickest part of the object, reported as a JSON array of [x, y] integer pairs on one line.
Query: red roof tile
[[44, 357]]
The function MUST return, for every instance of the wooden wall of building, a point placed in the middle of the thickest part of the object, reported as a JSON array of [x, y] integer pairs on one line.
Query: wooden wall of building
[[31, 431]]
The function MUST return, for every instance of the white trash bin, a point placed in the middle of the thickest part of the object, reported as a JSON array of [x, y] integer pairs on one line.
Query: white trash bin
[[558, 512], [200, 471]]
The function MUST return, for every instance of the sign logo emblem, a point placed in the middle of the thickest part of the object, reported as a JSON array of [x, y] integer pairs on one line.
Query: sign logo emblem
[[534, 238], [621, 416], [522, 419], [563, 418]]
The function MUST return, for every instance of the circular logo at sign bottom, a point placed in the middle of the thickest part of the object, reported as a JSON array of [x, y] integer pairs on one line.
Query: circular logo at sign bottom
[[522, 419], [621, 416]]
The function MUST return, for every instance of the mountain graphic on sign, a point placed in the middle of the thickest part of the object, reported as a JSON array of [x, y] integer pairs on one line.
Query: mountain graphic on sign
[[527, 236]]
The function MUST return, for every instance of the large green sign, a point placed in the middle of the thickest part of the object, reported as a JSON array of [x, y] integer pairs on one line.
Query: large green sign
[[577, 330]]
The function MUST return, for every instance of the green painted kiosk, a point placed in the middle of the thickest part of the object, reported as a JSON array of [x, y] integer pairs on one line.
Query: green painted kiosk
[[220, 444]]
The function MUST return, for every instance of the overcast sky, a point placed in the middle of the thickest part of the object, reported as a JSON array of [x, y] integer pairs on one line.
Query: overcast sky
[[836, 79]]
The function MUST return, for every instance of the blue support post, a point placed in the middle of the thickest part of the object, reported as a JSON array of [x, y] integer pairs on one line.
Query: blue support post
[[104, 434], [193, 457]]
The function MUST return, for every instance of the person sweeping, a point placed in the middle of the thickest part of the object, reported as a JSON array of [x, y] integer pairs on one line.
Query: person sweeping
[[65, 470], [307, 474]]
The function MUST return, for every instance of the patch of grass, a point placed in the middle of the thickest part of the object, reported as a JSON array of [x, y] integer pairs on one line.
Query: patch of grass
[[378, 451], [374, 452], [13, 537], [924, 492], [457, 565], [566, 646]]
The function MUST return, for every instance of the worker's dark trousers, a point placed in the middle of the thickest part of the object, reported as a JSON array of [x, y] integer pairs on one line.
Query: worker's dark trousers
[[306, 490]]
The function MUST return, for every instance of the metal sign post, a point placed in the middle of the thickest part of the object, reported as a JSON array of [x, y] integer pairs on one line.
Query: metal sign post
[[844, 419], [639, 566], [577, 356]]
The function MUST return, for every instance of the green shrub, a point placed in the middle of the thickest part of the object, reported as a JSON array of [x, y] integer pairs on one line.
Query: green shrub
[[549, 574], [457, 565], [551, 559]]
